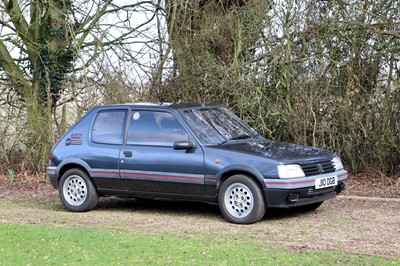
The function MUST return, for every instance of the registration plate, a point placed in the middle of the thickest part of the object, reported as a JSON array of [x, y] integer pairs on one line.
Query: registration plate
[[324, 182]]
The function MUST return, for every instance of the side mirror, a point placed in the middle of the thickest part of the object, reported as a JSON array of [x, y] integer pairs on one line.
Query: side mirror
[[184, 145]]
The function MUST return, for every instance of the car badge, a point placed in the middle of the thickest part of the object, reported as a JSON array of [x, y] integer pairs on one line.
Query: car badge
[[320, 168]]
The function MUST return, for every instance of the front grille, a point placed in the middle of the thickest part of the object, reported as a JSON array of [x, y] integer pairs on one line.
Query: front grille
[[317, 168]]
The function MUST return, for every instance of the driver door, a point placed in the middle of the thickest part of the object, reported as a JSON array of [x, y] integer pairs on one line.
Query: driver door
[[148, 161]]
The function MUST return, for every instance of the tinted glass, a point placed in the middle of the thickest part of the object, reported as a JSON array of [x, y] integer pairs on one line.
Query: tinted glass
[[216, 125], [154, 128], [108, 127]]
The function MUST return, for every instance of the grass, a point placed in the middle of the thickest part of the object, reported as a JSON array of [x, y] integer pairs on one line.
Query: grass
[[47, 245], [11, 175]]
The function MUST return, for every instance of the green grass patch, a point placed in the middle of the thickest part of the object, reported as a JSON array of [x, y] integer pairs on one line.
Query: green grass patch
[[46, 245]]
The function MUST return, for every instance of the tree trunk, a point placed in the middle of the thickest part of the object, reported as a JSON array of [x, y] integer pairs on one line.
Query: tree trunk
[[50, 58]]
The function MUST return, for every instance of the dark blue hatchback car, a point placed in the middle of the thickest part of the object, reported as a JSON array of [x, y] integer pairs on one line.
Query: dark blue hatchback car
[[188, 152]]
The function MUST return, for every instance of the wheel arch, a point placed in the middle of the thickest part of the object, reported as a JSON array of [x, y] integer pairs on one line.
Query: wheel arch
[[243, 170], [71, 164]]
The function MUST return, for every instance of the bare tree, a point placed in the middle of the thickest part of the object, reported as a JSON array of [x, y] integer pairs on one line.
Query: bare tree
[[322, 73], [42, 42]]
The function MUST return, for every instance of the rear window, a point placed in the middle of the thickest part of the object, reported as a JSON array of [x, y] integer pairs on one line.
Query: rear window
[[108, 127]]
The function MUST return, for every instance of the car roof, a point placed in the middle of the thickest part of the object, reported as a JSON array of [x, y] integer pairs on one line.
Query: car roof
[[159, 105]]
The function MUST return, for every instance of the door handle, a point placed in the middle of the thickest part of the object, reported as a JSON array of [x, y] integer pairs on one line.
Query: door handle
[[127, 153]]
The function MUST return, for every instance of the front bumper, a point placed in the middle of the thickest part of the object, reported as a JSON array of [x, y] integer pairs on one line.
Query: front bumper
[[287, 193], [288, 198]]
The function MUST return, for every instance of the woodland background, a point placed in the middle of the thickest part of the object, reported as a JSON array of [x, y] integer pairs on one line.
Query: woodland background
[[320, 73]]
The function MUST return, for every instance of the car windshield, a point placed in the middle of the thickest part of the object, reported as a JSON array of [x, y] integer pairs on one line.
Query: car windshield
[[217, 125]]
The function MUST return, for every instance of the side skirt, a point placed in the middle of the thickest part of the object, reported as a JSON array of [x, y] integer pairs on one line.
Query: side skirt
[[173, 196]]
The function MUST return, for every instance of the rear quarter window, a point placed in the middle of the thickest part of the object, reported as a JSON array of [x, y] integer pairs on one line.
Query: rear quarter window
[[108, 127]]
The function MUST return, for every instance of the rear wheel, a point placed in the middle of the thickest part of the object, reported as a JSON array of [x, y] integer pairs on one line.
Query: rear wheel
[[77, 192], [241, 201]]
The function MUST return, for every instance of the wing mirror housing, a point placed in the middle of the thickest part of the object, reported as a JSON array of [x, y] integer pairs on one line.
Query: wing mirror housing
[[184, 145]]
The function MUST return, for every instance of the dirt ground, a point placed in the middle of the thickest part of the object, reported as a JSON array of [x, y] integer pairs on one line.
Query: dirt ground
[[364, 226]]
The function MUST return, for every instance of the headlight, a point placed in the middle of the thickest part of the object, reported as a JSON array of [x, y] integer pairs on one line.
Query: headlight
[[290, 171], [337, 163]]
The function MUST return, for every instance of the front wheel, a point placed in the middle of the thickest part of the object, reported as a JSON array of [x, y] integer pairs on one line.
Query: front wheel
[[241, 201], [77, 192]]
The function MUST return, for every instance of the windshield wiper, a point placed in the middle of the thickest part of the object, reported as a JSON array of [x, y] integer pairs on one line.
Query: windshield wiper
[[256, 135], [242, 136]]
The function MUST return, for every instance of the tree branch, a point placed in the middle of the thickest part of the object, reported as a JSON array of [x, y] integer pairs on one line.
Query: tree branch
[[14, 73], [20, 24]]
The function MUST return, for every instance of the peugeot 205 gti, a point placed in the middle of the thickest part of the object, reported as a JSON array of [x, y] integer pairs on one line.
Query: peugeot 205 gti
[[188, 152]]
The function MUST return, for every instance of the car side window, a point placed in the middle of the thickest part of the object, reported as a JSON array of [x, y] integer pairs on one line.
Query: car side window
[[154, 128], [108, 127]]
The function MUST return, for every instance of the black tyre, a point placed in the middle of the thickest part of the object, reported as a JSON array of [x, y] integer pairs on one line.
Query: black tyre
[[77, 192], [241, 200]]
